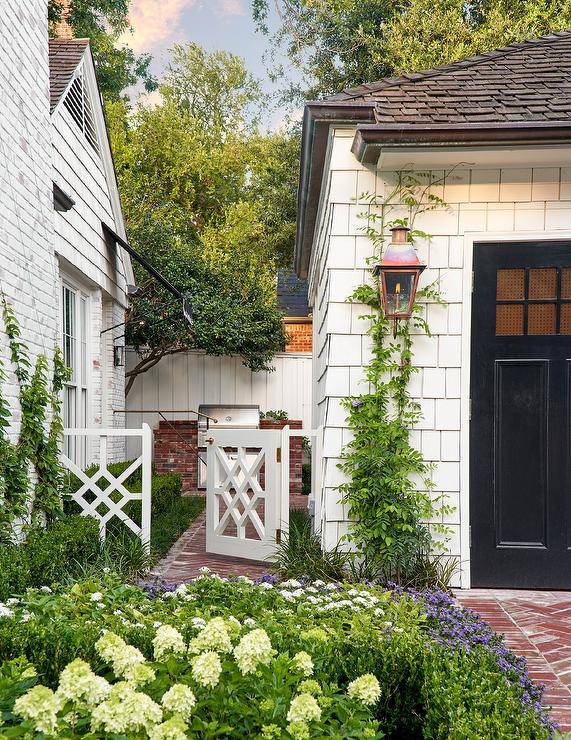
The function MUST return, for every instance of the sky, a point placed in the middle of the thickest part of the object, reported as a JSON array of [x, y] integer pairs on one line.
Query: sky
[[214, 24]]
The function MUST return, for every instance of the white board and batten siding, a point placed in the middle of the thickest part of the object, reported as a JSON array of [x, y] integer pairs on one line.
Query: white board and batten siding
[[187, 380], [484, 203]]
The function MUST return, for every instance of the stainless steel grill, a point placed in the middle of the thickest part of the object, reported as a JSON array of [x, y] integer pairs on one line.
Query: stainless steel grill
[[227, 417]]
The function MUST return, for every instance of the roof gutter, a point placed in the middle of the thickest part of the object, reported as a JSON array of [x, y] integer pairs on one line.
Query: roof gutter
[[317, 118], [370, 139]]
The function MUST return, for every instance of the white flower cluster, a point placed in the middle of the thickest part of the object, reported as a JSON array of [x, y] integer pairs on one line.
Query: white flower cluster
[[366, 688], [324, 597], [302, 662], [213, 636], [304, 708], [39, 706], [173, 729], [123, 658], [168, 641], [180, 700], [206, 668], [254, 649], [79, 684], [126, 711]]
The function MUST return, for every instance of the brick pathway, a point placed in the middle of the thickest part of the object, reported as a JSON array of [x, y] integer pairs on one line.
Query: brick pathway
[[188, 555], [537, 625]]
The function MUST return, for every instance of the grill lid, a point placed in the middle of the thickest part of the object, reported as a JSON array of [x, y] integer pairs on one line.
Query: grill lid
[[239, 416]]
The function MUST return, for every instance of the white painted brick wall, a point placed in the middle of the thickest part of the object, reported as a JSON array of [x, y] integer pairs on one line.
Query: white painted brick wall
[[28, 270], [516, 200], [33, 152]]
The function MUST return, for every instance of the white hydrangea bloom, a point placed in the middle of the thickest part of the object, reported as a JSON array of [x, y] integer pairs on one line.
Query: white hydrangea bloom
[[249, 622], [96, 596], [40, 706], [303, 662], [179, 699], [366, 688], [253, 649], [140, 674], [168, 640], [126, 711], [122, 657], [78, 683], [173, 729], [206, 669], [213, 636], [304, 708], [5, 611]]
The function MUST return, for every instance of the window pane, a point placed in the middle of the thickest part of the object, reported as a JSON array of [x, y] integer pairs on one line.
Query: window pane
[[543, 283], [83, 358], [69, 330], [541, 318], [509, 319], [566, 282], [510, 284], [565, 319]]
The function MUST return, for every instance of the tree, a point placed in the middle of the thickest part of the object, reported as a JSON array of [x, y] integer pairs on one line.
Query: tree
[[344, 43], [103, 21], [211, 203]]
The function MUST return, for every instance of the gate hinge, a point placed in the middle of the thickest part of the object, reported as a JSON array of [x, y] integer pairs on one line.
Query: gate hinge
[[279, 454]]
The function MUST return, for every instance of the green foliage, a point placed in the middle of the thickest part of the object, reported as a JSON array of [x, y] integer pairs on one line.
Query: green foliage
[[344, 43], [306, 478], [388, 491], [425, 690], [104, 22], [277, 415], [210, 203], [300, 555], [48, 556], [171, 515], [39, 437]]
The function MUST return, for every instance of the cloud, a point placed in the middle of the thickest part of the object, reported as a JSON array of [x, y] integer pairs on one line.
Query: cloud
[[155, 22], [231, 7]]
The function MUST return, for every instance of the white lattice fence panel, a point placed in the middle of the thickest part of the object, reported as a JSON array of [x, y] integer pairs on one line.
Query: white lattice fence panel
[[105, 503]]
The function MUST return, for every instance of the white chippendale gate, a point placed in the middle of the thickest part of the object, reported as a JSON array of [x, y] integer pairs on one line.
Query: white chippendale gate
[[247, 491]]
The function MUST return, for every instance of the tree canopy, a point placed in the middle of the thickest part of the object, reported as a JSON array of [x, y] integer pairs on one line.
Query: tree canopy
[[344, 43], [210, 202]]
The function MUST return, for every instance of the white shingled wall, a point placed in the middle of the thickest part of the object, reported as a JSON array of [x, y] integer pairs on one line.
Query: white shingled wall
[[510, 203]]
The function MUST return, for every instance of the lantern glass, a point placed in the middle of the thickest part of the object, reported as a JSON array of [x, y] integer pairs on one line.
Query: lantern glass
[[398, 288]]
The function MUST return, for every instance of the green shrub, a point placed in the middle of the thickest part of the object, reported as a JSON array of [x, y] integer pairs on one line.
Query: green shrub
[[48, 556], [426, 689], [170, 524]]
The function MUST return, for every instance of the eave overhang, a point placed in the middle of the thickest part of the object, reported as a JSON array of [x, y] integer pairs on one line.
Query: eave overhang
[[317, 118], [370, 139]]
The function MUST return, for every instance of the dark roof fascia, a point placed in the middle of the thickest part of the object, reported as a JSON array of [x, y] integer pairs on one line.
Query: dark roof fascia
[[318, 117], [370, 139]]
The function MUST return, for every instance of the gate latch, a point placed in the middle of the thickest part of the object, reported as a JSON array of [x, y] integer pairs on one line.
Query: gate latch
[[279, 454], [278, 536]]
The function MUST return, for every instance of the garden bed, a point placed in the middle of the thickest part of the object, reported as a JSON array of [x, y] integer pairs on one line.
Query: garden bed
[[217, 658]]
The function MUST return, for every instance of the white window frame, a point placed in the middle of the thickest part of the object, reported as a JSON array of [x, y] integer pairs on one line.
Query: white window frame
[[76, 354]]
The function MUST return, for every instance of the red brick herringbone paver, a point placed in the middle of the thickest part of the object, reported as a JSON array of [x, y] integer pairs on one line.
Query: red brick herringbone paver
[[537, 625], [188, 555]]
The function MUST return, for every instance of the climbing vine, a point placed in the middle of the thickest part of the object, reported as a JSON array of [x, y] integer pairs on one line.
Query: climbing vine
[[38, 443], [389, 488]]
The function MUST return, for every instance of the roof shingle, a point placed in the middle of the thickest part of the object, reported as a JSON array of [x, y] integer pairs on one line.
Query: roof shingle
[[64, 56], [530, 81]]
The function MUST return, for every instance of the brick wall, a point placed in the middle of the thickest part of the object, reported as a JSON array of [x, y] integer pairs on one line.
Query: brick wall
[[300, 334], [175, 451]]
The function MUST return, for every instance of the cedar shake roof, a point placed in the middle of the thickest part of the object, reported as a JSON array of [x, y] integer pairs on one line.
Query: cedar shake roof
[[292, 295], [529, 81], [64, 56]]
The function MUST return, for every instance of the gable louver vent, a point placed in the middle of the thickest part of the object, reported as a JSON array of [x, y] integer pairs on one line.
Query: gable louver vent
[[78, 104]]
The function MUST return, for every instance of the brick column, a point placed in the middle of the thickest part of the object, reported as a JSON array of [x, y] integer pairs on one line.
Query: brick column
[[176, 455]]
